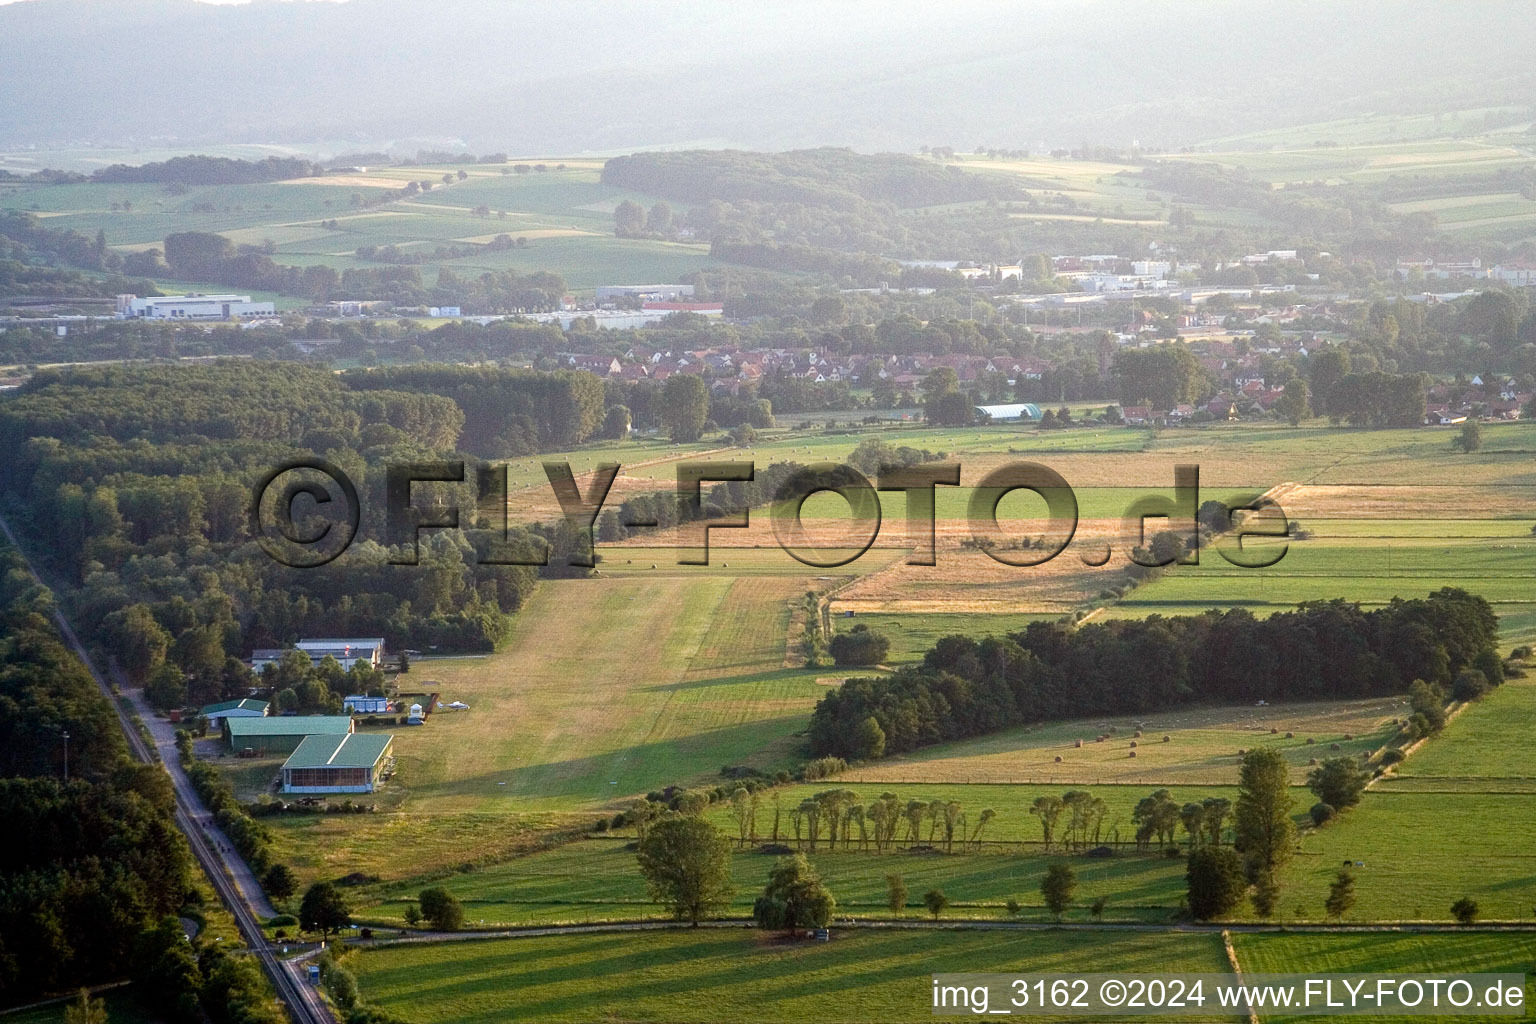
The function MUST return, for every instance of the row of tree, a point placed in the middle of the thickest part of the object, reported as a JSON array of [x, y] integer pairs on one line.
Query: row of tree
[[966, 687]]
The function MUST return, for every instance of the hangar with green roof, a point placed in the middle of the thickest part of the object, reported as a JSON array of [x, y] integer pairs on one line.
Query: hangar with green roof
[[353, 763], [282, 735]]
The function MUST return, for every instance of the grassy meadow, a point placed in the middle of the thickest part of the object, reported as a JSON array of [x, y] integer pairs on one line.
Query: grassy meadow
[[685, 975]]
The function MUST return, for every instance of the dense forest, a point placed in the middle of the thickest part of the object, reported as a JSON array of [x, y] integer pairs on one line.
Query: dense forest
[[136, 481], [94, 892], [1323, 650]]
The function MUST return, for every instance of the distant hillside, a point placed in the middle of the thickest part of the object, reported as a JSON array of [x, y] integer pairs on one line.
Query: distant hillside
[[836, 178], [605, 76]]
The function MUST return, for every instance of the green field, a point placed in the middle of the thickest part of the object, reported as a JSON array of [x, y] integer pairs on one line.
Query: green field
[[683, 976], [1480, 952], [596, 880], [565, 215]]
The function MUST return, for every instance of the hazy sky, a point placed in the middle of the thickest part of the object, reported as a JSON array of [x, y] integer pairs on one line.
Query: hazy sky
[[597, 76]]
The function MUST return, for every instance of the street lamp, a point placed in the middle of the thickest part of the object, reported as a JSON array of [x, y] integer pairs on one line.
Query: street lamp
[[66, 755]]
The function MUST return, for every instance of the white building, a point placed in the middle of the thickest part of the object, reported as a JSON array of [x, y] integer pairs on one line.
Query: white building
[[192, 307], [347, 652], [648, 292]]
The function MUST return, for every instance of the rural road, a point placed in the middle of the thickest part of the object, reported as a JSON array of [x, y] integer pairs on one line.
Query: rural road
[[230, 876]]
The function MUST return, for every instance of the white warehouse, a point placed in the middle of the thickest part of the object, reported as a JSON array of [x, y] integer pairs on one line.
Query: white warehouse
[[192, 307]]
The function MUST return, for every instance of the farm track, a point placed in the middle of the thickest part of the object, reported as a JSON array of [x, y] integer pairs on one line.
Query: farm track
[[221, 865]]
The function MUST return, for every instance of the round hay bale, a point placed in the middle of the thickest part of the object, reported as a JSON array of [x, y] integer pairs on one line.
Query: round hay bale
[[1310, 741], [1241, 752], [1131, 753], [1078, 744], [1273, 730], [1058, 759], [1137, 734], [1289, 735], [1349, 735], [1334, 746], [1112, 730], [1166, 738], [1133, 744], [1311, 760]]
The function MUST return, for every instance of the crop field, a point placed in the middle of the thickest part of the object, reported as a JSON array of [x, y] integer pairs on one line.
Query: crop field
[[685, 976], [1201, 747]]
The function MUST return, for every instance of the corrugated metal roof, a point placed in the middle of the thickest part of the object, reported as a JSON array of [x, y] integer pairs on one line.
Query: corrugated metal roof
[[231, 705], [299, 725], [357, 750]]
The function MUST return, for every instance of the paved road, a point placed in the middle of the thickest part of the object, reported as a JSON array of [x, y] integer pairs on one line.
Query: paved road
[[226, 870]]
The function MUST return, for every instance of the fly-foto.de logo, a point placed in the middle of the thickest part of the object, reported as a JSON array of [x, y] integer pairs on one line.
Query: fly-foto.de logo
[[305, 513]]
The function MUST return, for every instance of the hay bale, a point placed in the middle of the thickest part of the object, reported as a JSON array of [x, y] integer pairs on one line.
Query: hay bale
[[1334, 746], [1310, 741], [1349, 735], [1137, 734], [1241, 752], [1289, 735], [1273, 730], [1133, 744], [1058, 759], [1078, 745], [1132, 753], [1166, 737], [1311, 760]]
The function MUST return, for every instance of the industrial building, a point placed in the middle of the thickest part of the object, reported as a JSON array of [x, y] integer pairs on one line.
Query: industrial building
[[281, 735], [352, 763], [192, 307], [247, 708]]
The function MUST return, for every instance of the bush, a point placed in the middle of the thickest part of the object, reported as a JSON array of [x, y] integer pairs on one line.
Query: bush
[[1322, 813], [1465, 910], [282, 921], [1470, 684], [859, 646], [1392, 755]]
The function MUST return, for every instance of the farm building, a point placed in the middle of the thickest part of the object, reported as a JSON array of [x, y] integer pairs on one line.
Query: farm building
[[337, 764], [358, 704], [1026, 412], [235, 709], [346, 651], [282, 735]]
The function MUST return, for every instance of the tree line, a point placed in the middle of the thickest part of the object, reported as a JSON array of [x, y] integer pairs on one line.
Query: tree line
[[1322, 650]]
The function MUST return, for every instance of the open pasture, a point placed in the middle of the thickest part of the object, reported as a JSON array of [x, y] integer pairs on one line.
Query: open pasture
[[687, 976], [1421, 852], [1201, 749]]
